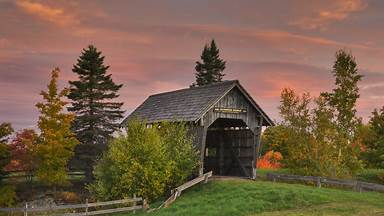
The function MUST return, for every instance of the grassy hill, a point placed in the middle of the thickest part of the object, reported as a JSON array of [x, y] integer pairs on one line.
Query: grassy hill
[[244, 197]]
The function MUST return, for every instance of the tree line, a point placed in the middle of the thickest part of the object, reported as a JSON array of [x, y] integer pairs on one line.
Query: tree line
[[316, 136], [323, 136]]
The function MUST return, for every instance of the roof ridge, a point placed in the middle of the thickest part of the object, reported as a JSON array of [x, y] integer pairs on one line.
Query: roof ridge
[[197, 87]]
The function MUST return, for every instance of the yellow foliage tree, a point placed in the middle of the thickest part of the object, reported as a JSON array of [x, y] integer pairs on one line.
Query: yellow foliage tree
[[57, 142]]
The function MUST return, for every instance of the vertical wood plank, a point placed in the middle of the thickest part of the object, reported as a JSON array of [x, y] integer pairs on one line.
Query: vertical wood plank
[[257, 139], [202, 148]]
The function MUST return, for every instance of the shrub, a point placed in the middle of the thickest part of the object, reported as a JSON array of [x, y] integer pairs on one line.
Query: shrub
[[271, 160], [135, 163], [145, 161], [372, 175], [8, 195], [180, 152]]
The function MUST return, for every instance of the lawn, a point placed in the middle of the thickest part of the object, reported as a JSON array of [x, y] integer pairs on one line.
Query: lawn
[[245, 197]]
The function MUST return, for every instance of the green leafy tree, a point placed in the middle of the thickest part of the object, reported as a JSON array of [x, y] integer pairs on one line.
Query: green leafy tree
[[210, 70], [295, 113], [146, 161], [93, 103], [307, 137], [5, 131], [180, 152], [374, 140], [275, 138], [135, 163], [343, 100], [56, 141], [324, 133]]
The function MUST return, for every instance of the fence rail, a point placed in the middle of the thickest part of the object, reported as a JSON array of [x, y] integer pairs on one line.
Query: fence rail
[[133, 201], [356, 185], [177, 191]]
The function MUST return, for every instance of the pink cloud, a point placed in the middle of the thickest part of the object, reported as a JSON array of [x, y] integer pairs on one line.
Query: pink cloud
[[328, 12], [44, 12]]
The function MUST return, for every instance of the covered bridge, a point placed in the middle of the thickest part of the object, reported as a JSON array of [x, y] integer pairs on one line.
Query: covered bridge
[[225, 120]]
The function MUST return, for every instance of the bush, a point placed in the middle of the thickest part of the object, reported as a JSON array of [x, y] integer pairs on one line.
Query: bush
[[371, 175], [69, 197], [8, 195], [144, 161], [180, 152], [271, 160]]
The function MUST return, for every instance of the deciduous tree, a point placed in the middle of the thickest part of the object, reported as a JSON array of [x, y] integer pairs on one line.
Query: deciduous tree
[[145, 161], [374, 142], [23, 149], [343, 100], [56, 141], [5, 131]]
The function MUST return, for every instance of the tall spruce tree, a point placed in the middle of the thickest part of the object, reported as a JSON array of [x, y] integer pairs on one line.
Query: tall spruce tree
[[210, 70], [97, 113]]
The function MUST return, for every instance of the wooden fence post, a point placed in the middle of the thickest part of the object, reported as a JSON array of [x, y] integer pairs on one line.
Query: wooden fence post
[[86, 206], [26, 209], [145, 205], [205, 179], [318, 182], [134, 203], [358, 186]]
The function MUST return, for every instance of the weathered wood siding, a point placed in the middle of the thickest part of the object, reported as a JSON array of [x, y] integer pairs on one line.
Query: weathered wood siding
[[235, 149], [234, 99]]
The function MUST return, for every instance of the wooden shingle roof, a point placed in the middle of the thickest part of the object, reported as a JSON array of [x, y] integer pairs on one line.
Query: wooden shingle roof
[[187, 104]]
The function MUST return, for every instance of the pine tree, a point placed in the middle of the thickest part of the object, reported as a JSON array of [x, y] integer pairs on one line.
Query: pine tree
[[96, 113], [210, 70], [56, 141]]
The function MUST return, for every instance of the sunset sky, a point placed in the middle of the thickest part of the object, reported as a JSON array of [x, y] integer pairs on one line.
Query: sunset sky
[[152, 46]]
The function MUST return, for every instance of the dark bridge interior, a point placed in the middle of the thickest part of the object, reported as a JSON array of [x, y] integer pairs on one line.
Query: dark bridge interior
[[229, 147]]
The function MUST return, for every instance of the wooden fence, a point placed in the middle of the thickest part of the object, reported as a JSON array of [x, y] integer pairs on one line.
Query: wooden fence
[[355, 185], [177, 191], [69, 210]]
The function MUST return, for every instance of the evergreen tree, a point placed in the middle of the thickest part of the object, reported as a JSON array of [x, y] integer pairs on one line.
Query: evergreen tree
[[210, 70], [96, 113], [56, 141]]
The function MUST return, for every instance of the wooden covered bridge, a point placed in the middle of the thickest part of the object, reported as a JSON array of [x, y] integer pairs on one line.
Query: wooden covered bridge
[[225, 120]]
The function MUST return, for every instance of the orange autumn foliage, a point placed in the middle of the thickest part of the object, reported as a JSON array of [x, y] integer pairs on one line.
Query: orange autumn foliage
[[271, 160]]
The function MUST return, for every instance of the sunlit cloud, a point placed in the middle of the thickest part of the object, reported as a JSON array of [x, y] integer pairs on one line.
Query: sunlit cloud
[[333, 11], [44, 12], [154, 49]]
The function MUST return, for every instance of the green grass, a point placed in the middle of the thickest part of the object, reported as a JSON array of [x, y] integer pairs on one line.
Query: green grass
[[244, 197]]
